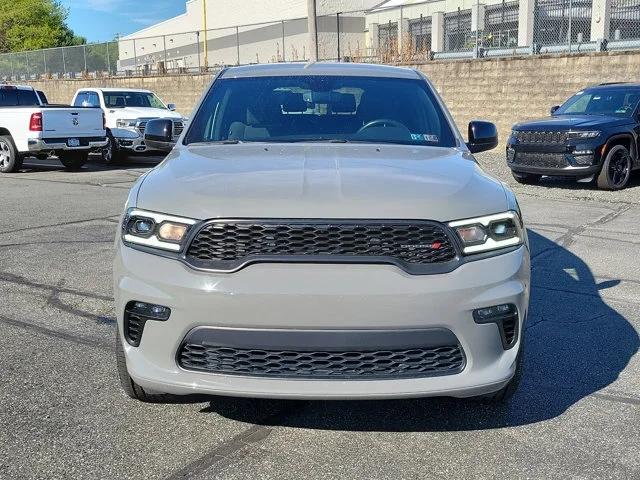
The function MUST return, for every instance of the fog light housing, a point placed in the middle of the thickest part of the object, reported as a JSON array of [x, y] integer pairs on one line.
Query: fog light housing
[[506, 317], [136, 315]]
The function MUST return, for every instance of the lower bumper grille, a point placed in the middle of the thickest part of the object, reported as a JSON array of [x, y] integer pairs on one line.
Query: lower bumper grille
[[542, 160], [202, 355]]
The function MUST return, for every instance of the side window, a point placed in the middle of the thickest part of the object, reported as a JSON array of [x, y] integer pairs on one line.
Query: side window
[[81, 99]]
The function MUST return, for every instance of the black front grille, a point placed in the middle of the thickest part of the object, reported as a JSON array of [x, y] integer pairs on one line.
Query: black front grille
[[414, 362], [542, 160], [227, 244], [541, 137]]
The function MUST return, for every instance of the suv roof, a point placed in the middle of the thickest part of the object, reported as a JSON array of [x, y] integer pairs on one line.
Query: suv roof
[[344, 69], [115, 90]]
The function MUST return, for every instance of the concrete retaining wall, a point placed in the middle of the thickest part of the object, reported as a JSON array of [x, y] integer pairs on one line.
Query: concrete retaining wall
[[504, 91]]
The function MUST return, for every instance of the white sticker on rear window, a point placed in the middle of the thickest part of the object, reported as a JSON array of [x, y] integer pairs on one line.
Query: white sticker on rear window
[[424, 137]]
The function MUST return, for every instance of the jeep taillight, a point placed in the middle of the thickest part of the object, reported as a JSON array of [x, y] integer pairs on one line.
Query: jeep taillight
[[35, 123], [104, 121]]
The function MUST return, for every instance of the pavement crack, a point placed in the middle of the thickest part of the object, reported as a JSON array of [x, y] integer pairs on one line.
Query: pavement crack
[[50, 332], [236, 448], [61, 224], [20, 280], [617, 398]]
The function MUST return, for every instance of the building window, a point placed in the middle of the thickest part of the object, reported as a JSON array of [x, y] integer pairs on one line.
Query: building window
[[420, 32], [457, 31], [388, 37], [501, 25]]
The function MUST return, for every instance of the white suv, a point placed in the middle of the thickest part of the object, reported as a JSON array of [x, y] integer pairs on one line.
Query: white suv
[[321, 231], [127, 112]]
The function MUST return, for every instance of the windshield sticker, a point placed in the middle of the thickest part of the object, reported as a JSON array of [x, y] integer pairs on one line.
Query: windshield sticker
[[424, 137]]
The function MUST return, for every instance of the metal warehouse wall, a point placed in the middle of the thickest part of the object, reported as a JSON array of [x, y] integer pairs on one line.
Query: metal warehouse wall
[[503, 91]]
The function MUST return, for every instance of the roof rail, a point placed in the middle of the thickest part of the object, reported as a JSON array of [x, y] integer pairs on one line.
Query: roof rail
[[612, 83]]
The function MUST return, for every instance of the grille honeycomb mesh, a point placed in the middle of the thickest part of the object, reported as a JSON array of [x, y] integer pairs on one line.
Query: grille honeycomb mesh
[[413, 243], [414, 362]]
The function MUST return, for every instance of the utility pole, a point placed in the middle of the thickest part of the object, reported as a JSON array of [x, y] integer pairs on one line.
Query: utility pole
[[204, 27], [312, 23]]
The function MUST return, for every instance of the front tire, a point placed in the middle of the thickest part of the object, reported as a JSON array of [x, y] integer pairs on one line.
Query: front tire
[[131, 388], [74, 160], [112, 153], [616, 169], [505, 393], [526, 178], [10, 158]]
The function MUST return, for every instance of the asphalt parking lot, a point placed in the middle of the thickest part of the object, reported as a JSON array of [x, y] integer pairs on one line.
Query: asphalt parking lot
[[62, 414]]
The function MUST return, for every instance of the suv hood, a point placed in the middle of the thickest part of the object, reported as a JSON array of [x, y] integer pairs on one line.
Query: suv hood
[[129, 113], [320, 181], [568, 122]]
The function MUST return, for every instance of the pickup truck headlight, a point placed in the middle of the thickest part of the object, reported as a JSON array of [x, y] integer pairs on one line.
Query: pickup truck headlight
[[126, 123], [584, 134], [491, 232], [155, 230]]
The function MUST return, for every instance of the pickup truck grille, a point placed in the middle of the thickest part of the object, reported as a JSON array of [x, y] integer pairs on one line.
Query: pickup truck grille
[[178, 127], [541, 137], [227, 245]]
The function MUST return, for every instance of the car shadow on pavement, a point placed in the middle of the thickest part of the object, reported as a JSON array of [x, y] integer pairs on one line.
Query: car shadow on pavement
[[576, 345]]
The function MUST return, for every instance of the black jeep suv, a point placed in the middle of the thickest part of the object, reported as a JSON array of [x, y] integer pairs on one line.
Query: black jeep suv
[[593, 136]]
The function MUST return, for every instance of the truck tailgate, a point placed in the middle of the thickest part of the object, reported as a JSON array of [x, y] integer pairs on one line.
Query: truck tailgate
[[72, 122]]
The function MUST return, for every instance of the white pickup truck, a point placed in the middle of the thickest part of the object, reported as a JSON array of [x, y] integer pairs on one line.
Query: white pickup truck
[[127, 112], [31, 127]]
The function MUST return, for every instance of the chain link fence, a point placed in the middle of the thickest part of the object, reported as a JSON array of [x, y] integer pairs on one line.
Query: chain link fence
[[393, 32]]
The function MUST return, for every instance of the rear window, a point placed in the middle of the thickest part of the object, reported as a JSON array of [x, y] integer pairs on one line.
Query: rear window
[[321, 108], [15, 97]]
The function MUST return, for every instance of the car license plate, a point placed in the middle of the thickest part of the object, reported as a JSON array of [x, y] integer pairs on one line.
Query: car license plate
[[73, 142]]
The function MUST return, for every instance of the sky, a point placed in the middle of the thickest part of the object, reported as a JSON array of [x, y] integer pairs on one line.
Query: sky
[[101, 20]]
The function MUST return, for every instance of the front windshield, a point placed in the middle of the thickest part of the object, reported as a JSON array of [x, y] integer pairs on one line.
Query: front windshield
[[313, 108], [615, 101], [132, 99]]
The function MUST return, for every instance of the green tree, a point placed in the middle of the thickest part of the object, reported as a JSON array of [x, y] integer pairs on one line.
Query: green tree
[[34, 24]]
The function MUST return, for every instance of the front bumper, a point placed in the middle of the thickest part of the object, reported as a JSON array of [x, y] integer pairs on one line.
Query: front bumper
[[327, 298], [50, 144], [131, 140]]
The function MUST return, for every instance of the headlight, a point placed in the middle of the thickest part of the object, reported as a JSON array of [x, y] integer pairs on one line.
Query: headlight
[[584, 134], [126, 123], [155, 230], [491, 232]]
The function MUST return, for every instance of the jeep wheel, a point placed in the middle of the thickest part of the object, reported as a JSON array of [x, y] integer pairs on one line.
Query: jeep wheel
[[74, 160], [616, 169], [526, 178], [10, 159]]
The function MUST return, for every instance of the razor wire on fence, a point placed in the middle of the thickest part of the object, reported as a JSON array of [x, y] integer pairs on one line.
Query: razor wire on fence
[[393, 32]]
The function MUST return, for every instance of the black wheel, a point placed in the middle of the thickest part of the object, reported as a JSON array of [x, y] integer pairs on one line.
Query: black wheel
[[506, 392], [10, 159], [111, 153], [526, 178], [131, 388], [74, 160], [616, 169]]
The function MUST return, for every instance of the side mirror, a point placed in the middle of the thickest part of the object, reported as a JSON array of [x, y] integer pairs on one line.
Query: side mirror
[[553, 109], [171, 106], [158, 134], [482, 136]]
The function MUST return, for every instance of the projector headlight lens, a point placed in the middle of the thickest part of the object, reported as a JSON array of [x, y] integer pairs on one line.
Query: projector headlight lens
[[155, 230]]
